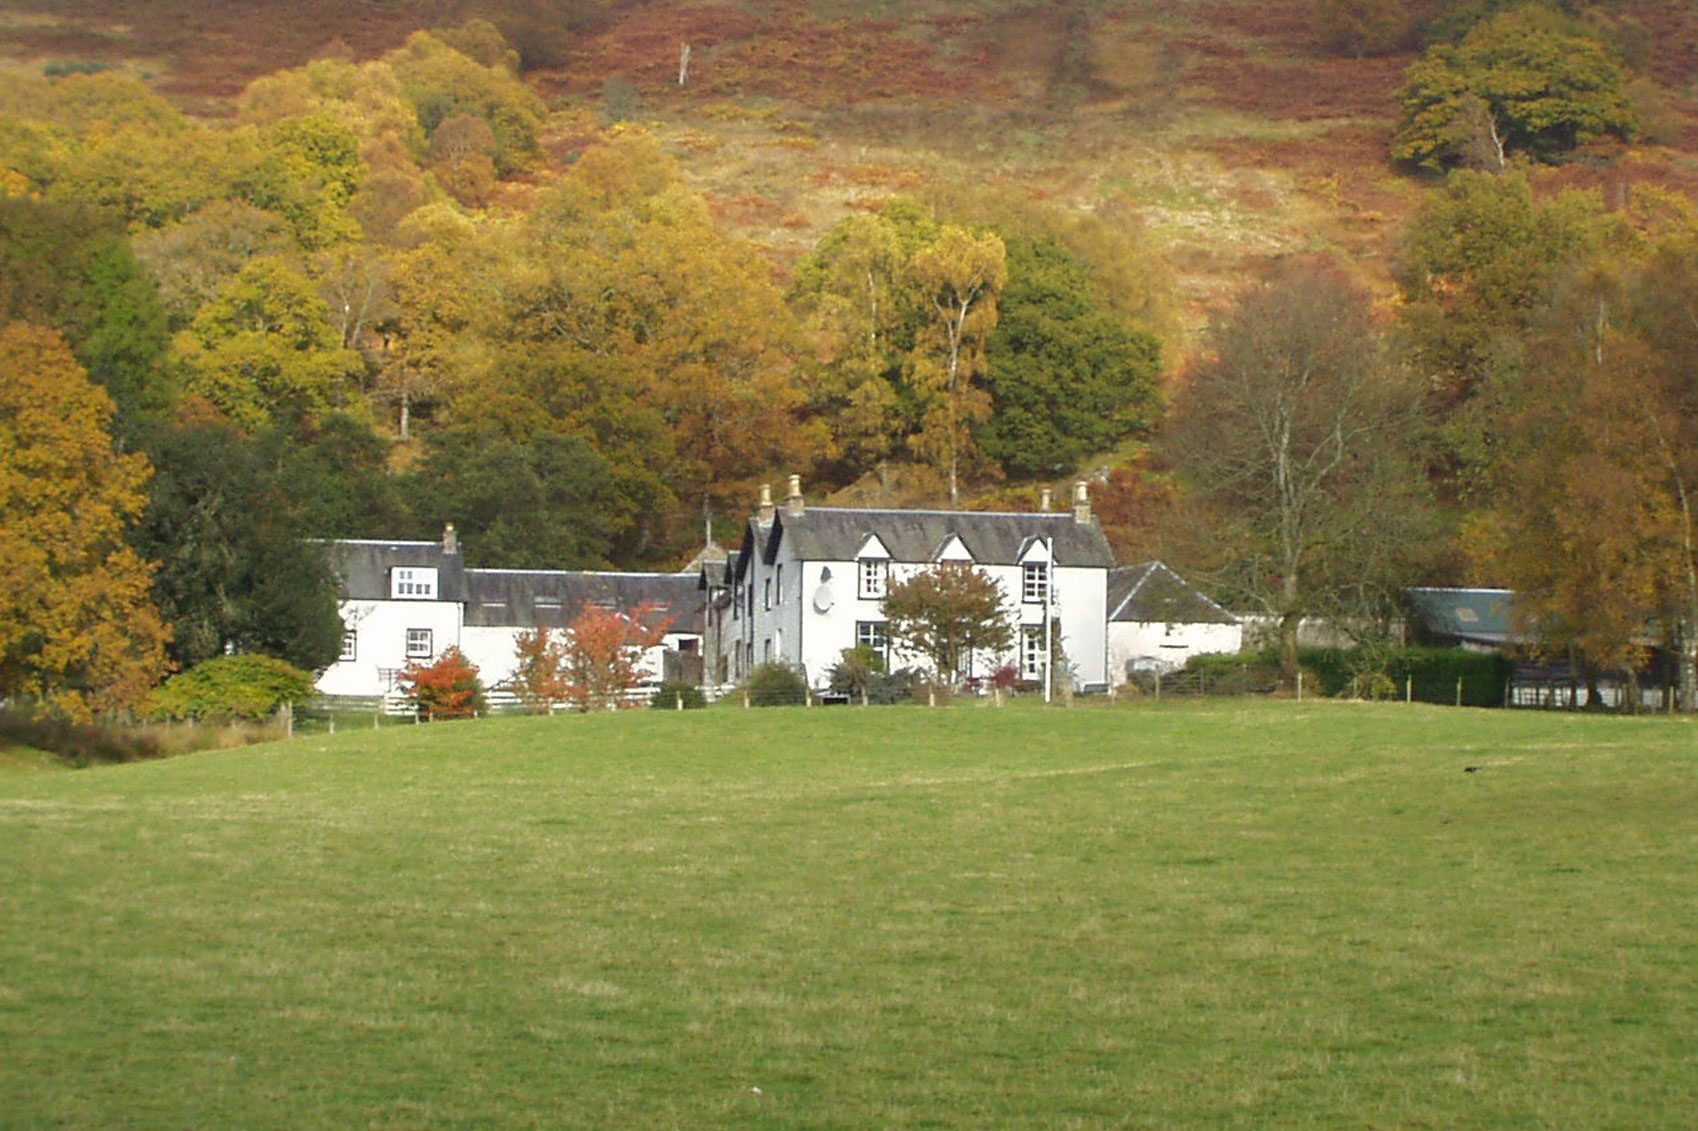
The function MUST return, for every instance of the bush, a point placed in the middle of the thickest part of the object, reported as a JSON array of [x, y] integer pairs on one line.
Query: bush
[[776, 685], [231, 687], [667, 696], [79, 743], [1428, 675], [447, 689]]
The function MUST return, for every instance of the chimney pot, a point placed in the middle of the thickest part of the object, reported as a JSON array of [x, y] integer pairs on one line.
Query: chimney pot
[[1081, 502], [766, 510], [1044, 500], [450, 540], [793, 504]]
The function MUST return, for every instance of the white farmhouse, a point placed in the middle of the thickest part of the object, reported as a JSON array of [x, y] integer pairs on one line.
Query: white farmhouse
[[1157, 621], [807, 583], [408, 602]]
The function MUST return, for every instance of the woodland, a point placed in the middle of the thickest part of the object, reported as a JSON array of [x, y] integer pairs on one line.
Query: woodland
[[1327, 299]]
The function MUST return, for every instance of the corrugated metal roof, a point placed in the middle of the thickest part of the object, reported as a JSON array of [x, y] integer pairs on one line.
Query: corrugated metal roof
[[1482, 616]]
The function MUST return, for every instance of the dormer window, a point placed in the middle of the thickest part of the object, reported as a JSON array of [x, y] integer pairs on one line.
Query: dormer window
[[1034, 582], [874, 574], [415, 583]]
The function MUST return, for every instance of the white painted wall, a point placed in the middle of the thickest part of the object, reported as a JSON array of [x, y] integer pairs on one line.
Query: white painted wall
[[1168, 644], [380, 646]]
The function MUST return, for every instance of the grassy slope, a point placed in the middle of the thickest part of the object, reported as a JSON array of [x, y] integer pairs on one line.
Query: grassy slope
[[1208, 916]]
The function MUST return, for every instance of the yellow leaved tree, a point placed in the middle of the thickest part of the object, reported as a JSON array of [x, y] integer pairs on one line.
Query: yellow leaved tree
[[77, 626]]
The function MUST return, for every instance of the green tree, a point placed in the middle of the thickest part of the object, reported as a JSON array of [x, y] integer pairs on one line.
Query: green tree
[[69, 267], [551, 500], [226, 687], [234, 571], [441, 83], [1524, 80], [1295, 433], [1067, 377], [947, 614], [76, 625]]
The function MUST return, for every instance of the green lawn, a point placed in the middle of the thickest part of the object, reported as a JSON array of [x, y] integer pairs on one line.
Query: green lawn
[[1163, 916]]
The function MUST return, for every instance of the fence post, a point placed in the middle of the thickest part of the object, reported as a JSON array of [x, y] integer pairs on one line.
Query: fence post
[[931, 695], [807, 697], [288, 720], [679, 695], [1409, 689], [1158, 685], [1300, 685], [332, 724], [863, 695], [1459, 691], [745, 700]]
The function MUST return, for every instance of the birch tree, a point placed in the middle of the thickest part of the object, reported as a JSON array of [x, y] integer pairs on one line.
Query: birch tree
[[958, 278]]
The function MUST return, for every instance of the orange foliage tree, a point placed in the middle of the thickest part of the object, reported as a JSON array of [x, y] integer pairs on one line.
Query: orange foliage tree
[[77, 625], [593, 662], [448, 688]]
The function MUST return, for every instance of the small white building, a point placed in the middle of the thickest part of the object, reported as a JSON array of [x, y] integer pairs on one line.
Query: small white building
[[408, 602], [808, 582], [1157, 620]]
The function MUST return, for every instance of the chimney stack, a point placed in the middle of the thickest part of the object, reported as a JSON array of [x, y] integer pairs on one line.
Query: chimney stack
[[793, 504], [450, 540], [764, 515], [1044, 501], [1081, 503]]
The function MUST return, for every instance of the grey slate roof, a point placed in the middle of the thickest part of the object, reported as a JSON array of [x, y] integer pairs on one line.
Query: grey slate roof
[[1478, 616], [1151, 593], [993, 538], [524, 598], [362, 567]]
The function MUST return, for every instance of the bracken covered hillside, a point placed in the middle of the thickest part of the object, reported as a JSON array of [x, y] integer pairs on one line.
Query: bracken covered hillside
[[1226, 129]]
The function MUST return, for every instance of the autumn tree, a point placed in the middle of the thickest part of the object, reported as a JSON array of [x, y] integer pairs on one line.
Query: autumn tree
[[76, 625], [947, 614], [1526, 80], [446, 688], [1361, 27], [264, 351], [1295, 431], [1477, 265], [599, 658], [958, 279]]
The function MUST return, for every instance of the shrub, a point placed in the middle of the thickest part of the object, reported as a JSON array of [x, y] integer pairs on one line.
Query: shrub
[[776, 685], [231, 687], [667, 696], [78, 743], [854, 673], [449, 688]]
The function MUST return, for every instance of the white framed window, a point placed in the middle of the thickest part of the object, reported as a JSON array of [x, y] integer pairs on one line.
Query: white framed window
[[875, 576], [780, 585], [419, 644], [874, 634], [350, 646], [415, 582], [766, 595], [1034, 582], [1032, 651]]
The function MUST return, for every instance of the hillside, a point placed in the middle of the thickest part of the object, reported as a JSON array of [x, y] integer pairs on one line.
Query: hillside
[[1223, 128]]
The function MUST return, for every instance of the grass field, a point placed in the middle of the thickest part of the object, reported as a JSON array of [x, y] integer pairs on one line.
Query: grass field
[[1187, 915]]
